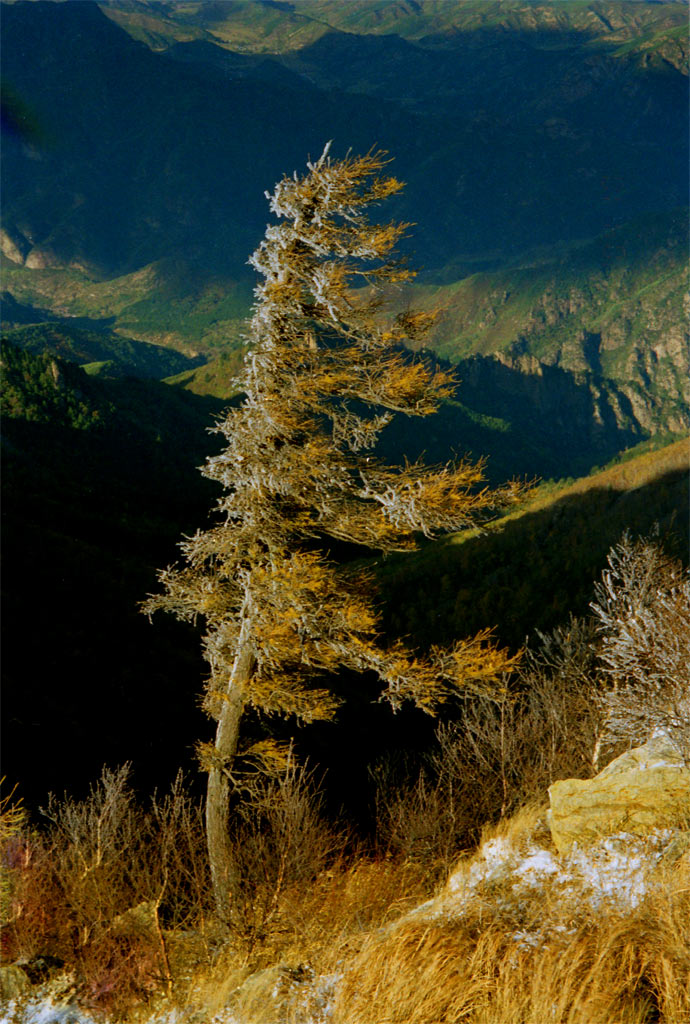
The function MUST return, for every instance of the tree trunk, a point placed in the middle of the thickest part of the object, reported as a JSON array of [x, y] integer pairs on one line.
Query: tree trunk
[[224, 877]]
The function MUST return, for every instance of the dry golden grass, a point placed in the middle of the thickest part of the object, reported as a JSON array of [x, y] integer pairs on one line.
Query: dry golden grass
[[350, 952], [353, 946], [317, 926], [590, 967]]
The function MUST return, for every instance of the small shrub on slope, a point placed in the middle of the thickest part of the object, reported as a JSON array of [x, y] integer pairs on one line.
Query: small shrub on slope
[[96, 885], [501, 754], [642, 609]]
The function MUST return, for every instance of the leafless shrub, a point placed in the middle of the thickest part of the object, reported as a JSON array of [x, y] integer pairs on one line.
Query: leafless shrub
[[280, 838], [180, 858], [425, 820], [559, 682], [642, 608], [95, 885], [505, 751], [95, 844]]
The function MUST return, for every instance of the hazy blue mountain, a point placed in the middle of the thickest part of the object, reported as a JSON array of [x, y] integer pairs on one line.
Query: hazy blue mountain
[[507, 139]]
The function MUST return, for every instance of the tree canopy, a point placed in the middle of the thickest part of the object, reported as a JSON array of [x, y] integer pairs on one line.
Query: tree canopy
[[325, 373]]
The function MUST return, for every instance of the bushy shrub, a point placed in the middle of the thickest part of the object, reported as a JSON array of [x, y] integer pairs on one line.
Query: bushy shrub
[[501, 753], [642, 610], [280, 838], [96, 886], [589, 689]]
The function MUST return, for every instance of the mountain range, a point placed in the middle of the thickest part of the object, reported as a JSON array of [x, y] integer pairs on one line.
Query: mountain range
[[544, 147], [545, 150]]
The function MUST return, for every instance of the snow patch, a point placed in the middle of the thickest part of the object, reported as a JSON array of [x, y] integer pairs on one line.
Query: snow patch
[[42, 1011], [615, 870]]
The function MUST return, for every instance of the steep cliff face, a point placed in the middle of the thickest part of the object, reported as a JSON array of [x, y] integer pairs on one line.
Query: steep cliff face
[[648, 394], [612, 314], [578, 412]]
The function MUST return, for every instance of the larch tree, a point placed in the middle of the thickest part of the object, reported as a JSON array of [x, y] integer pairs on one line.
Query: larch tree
[[324, 375]]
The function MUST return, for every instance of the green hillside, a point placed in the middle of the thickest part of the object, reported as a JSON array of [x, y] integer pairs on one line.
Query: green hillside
[[169, 303], [100, 352], [255, 27], [531, 569], [42, 388], [554, 236], [549, 134], [614, 308], [542, 303]]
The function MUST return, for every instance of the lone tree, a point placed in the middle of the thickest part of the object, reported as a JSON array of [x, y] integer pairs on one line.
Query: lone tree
[[322, 378]]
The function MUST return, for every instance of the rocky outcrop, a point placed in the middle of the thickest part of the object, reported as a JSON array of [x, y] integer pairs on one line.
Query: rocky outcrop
[[14, 982], [643, 790], [42, 259], [13, 245]]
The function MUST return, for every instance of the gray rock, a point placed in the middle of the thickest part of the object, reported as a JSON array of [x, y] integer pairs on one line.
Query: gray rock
[[13, 983], [644, 789]]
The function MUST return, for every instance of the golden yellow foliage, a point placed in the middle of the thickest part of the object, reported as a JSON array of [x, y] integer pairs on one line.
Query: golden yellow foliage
[[322, 378]]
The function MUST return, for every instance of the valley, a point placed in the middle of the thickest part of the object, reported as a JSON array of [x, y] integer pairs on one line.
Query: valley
[[380, 852], [554, 239]]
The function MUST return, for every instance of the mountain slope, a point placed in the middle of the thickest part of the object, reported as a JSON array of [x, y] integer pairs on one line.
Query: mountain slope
[[528, 571], [99, 483], [256, 27], [100, 351], [555, 138], [613, 311], [528, 145]]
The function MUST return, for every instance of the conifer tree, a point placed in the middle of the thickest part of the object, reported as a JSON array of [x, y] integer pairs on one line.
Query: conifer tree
[[323, 377]]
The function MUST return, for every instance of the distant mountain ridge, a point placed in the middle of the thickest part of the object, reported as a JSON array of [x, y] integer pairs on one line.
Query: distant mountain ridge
[[260, 26], [545, 149], [528, 145], [100, 351]]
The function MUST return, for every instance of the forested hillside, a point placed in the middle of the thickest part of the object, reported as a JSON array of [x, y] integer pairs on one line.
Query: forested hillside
[[101, 352]]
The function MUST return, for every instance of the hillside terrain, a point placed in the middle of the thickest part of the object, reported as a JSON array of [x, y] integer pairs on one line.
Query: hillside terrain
[[100, 351], [100, 481], [542, 118], [389, 863], [252, 27], [428, 846], [554, 238], [536, 565]]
